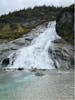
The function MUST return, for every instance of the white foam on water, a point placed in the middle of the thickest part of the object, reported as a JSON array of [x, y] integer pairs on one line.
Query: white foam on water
[[36, 55]]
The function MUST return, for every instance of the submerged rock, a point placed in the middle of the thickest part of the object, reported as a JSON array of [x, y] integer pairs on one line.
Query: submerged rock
[[39, 74]]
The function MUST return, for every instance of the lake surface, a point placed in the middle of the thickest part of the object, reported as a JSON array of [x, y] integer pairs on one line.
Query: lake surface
[[12, 81], [26, 85]]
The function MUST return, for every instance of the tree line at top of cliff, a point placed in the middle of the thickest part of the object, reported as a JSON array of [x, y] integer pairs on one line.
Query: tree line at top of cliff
[[41, 13], [17, 23]]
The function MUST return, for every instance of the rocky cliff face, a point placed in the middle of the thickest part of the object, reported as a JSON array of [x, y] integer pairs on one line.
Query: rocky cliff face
[[65, 24], [62, 54]]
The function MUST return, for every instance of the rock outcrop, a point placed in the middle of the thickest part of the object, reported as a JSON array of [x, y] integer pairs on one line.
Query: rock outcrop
[[65, 24], [62, 54], [5, 62]]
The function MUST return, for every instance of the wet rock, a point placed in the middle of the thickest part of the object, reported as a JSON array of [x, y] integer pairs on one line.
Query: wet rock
[[28, 39], [33, 69], [36, 70], [72, 60], [5, 62], [20, 69], [1, 53], [58, 41]]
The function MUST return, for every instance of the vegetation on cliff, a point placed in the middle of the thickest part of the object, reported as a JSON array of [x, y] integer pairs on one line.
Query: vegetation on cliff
[[65, 24], [16, 24]]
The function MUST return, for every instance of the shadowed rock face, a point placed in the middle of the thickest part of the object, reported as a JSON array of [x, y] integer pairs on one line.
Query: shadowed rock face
[[20, 69], [62, 54], [5, 62], [65, 24]]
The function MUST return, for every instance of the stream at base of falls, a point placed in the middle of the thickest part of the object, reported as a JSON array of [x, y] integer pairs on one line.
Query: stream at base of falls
[[25, 85]]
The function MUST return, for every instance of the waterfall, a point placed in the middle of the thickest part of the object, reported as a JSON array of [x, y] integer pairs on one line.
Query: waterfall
[[36, 55]]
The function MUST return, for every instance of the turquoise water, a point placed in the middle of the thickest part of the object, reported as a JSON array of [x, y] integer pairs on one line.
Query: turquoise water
[[12, 82]]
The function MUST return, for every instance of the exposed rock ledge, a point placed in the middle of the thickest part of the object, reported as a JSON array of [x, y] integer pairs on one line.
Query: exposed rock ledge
[[63, 54]]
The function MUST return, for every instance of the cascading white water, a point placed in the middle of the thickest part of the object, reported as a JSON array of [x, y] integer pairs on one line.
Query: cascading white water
[[36, 55]]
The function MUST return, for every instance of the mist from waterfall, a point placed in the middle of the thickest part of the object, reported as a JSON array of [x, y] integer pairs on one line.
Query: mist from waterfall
[[36, 55]]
